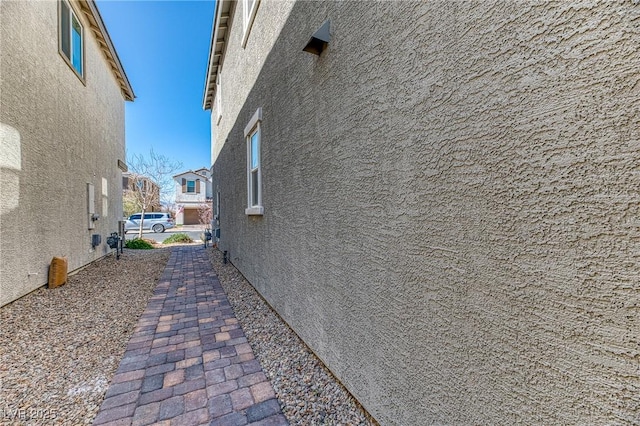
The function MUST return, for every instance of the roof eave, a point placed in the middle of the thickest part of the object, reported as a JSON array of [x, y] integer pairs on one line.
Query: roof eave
[[106, 46], [192, 172], [216, 49]]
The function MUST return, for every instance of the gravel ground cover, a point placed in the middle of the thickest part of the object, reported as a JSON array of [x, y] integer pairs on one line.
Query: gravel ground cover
[[59, 348], [308, 393]]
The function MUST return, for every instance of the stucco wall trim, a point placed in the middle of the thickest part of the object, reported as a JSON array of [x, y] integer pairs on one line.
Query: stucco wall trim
[[257, 116], [254, 211]]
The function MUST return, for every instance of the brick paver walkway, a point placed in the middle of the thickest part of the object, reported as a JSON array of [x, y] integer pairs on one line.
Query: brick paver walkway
[[188, 361]]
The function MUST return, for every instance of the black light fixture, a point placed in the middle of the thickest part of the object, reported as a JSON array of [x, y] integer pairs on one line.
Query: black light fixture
[[319, 40]]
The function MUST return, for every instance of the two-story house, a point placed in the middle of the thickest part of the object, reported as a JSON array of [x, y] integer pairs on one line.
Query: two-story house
[[193, 190], [440, 197], [62, 139], [137, 188]]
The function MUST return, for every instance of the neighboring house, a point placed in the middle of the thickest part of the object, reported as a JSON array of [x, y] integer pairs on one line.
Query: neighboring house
[[141, 187], [443, 204], [193, 190], [62, 142]]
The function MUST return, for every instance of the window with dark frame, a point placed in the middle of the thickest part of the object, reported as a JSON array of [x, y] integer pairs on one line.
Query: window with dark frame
[[71, 38]]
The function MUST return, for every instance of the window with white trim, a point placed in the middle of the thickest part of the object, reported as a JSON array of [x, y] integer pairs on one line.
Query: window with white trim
[[253, 136], [249, 8], [105, 197], [218, 99], [71, 43]]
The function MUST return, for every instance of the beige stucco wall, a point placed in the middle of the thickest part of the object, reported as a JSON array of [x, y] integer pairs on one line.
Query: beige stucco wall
[[452, 202], [63, 134]]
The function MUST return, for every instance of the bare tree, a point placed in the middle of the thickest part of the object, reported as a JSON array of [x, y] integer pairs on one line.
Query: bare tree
[[130, 203], [172, 208], [205, 214], [150, 180]]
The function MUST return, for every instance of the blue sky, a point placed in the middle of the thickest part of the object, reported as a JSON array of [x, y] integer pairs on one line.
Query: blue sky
[[164, 47]]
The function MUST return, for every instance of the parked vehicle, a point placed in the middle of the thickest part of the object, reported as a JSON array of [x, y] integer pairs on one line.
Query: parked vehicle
[[156, 221]]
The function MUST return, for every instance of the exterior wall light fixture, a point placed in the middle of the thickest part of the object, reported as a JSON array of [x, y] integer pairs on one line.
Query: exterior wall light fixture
[[319, 40]]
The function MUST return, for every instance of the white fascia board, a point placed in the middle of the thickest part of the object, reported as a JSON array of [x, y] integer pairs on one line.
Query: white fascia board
[[212, 53]]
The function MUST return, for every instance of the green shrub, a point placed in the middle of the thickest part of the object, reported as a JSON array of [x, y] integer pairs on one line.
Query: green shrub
[[178, 238], [138, 243]]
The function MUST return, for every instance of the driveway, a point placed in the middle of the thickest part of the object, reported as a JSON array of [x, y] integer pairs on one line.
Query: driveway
[[193, 231]]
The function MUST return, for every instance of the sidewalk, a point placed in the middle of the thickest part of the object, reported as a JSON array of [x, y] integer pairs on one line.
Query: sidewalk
[[188, 361]]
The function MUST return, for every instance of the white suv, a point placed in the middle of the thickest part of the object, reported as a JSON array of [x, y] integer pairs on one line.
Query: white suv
[[156, 221]]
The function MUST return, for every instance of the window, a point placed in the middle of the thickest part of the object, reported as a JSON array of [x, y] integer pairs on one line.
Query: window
[[253, 136], [218, 99], [191, 186], [71, 38], [105, 197], [254, 167], [249, 8]]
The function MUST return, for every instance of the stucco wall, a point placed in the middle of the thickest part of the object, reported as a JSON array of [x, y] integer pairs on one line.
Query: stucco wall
[[451, 202], [64, 134]]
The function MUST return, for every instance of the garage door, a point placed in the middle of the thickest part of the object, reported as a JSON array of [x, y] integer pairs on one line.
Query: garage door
[[191, 217]]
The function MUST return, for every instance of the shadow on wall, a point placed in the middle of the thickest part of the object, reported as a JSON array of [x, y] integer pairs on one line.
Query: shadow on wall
[[511, 262], [10, 166]]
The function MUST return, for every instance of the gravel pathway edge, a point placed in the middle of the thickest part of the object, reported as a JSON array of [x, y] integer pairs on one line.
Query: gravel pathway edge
[[308, 392], [60, 347]]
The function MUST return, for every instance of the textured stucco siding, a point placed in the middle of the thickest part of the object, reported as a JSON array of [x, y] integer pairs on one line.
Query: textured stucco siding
[[63, 135], [451, 196]]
